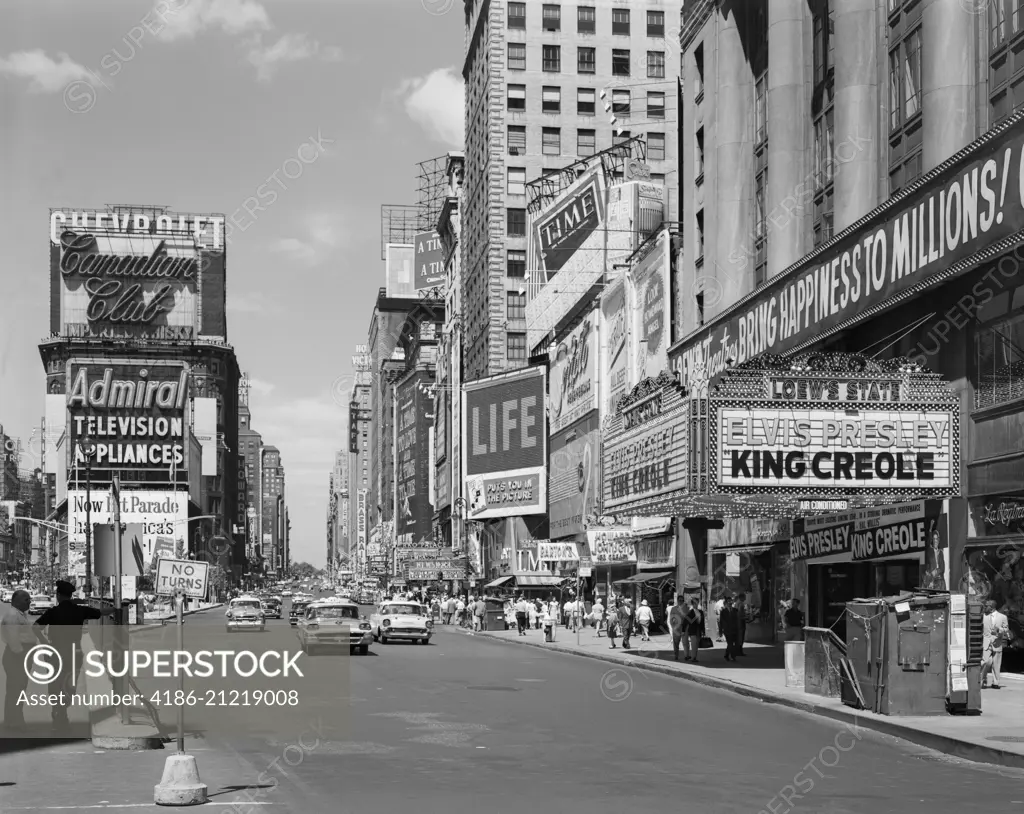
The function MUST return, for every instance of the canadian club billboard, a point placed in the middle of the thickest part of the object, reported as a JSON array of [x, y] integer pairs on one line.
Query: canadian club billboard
[[825, 425], [135, 416], [136, 274], [505, 451]]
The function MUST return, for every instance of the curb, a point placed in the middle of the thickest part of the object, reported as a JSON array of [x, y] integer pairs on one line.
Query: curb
[[955, 747], [170, 619]]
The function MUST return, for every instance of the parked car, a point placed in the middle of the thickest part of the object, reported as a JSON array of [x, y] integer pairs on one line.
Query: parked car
[[334, 623], [245, 613], [40, 603], [401, 620]]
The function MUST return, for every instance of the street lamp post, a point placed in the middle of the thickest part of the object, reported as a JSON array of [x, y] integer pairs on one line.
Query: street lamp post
[[88, 450]]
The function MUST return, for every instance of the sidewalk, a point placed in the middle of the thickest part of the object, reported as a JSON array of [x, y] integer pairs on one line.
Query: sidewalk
[[995, 736], [153, 620]]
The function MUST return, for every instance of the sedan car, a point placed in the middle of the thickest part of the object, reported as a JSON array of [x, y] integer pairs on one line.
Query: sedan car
[[40, 603], [271, 608], [401, 620], [334, 624], [245, 613], [297, 611]]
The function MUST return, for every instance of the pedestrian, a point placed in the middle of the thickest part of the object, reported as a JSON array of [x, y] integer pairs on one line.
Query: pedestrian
[[694, 626], [479, 610], [460, 610], [995, 634], [16, 634], [669, 604], [644, 617], [63, 625], [717, 609], [522, 614], [730, 626], [677, 625], [597, 616], [534, 616], [626, 619], [794, 618], [577, 613], [549, 625], [612, 623], [741, 618], [553, 609]]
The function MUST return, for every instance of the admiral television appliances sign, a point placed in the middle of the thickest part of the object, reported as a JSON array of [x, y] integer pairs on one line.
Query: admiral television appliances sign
[[505, 451], [134, 414]]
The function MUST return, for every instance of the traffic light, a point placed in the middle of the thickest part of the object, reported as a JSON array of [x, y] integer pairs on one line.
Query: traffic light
[[440, 576]]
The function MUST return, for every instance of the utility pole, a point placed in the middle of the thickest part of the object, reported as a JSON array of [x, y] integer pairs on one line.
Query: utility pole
[[88, 449]]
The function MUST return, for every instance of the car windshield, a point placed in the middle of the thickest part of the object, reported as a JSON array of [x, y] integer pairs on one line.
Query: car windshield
[[336, 613], [40, 598], [247, 605], [405, 610]]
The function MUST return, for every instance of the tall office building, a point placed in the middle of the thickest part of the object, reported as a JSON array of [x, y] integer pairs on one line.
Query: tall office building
[[543, 83]]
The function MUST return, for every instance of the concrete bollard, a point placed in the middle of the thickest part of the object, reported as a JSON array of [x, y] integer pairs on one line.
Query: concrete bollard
[[180, 785]]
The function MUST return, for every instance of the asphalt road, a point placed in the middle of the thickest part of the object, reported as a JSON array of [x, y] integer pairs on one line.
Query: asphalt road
[[476, 725], [471, 724]]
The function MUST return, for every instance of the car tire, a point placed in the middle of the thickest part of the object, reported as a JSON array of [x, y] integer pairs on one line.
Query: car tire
[[383, 639], [364, 650], [425, 641]]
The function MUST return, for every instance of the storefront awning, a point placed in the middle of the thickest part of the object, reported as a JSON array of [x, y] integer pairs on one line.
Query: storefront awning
[[538, 580], [742, 549], [498, 582], [654, 576]]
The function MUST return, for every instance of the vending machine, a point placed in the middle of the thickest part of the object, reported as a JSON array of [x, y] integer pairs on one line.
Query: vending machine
[[966, 651]]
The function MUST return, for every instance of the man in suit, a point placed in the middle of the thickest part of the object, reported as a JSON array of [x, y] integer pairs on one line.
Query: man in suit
[[741, 618], [730, 626]]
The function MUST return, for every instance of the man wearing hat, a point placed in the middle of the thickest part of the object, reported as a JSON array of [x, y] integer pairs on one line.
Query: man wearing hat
[[626, 617], [63, 623]]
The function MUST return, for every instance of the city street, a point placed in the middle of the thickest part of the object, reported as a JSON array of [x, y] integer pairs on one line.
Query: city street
[[471, 724]]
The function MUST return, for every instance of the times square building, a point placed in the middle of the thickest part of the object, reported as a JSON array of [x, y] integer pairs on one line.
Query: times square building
[[137, 363]]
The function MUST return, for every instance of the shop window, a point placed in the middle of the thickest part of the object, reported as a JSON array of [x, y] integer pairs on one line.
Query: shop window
[[999, 360]]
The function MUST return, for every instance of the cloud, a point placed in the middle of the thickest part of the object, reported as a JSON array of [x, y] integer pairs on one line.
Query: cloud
[[185, 19], [323, 231], [289, 48], [436, 103], [46, 75], [297, 249]]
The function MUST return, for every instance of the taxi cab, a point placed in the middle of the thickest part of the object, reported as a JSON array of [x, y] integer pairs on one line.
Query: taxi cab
[[297, 610], [398, 619], [334, 623], [245, 613]]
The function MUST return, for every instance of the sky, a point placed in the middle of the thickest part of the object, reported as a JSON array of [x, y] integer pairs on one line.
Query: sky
[[193, 105]]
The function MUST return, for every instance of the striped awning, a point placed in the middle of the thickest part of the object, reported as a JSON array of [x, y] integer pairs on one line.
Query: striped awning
[[498, 582], [538, 580], [646, 576]]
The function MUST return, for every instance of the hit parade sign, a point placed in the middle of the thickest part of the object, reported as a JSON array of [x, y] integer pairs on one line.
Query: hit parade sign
[[843, 425]]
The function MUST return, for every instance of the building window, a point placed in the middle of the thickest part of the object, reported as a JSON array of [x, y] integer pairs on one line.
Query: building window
[[516, 305], [552, 18], [515, 222], [586, 60], [552, 58], [620, 102], [585, 101], [551, 143], [517, 97], [586, 142], [1006, 58], [517, 56], [516, 347], [658, 177], [761, 110], [655, 105], [761, 227], [516, 140], [698, 79], [656, 146], [585, 20], [552, 100], [620, 21], [621, 137], [999, 350], [655, 23], [698, 249], [822, 111], [698, 154], [517, 15], [620, 63], [655, 64], [516, 181], [905, 121], [515, 263]]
